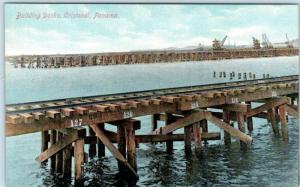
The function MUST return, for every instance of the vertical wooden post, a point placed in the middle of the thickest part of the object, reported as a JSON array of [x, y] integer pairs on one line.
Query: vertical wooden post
[[59, 155], [272, 119], [67, 162], [121, 147], [154, 120], [44, 141], [283, 122], [249, 119], [187, 140], [92, 147], [241, 125], [169, 144], [197, 131], [100, 145], [131, 146], [204, 126], [79, 161], [53, 158], [226, 119]]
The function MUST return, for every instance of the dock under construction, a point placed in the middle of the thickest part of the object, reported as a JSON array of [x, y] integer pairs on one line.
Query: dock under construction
[[142, 57]]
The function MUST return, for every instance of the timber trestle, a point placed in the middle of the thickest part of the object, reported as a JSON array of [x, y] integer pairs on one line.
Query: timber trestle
[[67, 125]]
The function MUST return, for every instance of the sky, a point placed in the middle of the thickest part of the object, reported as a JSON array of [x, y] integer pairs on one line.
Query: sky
[[56, 28]]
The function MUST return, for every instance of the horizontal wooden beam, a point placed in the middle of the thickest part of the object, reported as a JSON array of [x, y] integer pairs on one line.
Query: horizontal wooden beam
[[148, 138], [236, 107]]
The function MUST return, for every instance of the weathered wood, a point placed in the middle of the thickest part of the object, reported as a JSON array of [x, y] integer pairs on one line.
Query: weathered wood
[[27, 118], [53, 114], [131, 146], [272, 118], [38, 115], [81, 110], [44, 141], [241, 125], [92, 147], [67, 162], [270, 104], [40, 125], [169, 144], [249, 119], [226, 119], [101, 135], [79, 161], [187, 140], [283, 122], [233, 107], [232, 131], [154, 119], [100, 145], [121, 138], [57, 146], [59, 155], [68, 112], [292, 111], [53, 157], [197, 131], [195, 116], [14, 119], [101, 108]]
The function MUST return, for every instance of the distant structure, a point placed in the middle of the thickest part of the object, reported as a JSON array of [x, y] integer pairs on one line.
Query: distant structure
[[218, 45], [288, 42], [266, 42], [256, 43]]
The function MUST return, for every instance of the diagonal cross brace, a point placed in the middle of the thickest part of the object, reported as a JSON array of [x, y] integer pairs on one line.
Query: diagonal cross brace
[[114, 151], [73, 135], [271, 104]]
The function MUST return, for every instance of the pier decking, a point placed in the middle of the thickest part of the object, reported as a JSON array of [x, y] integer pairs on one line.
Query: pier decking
[[63, 122], [142, 57]]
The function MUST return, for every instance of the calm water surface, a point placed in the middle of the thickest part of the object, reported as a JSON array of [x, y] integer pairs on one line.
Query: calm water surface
[[269, 161]]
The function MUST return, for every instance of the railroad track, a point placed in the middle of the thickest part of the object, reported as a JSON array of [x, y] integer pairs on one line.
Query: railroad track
[[148, 94]]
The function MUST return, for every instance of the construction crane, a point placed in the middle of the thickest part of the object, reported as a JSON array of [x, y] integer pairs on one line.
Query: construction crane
[[288, 42], [266, 42], [217, 45], [256, 43]]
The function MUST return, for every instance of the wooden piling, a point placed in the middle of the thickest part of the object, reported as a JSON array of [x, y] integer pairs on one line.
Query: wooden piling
[[59, 155], [249, 119], [121, 138], [67, 162], [53, 158], [79, 161], [226, 119], [283, 122], [197, 131], [44, 141], [272, 119], [100, 145], [204, 126], [187, 140], [131, 146], [241, 126], [154, 120], [92, 147], [169, 144]]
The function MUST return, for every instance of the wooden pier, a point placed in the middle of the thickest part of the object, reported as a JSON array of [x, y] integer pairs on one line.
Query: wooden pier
[[142, 57], [66, 125]]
